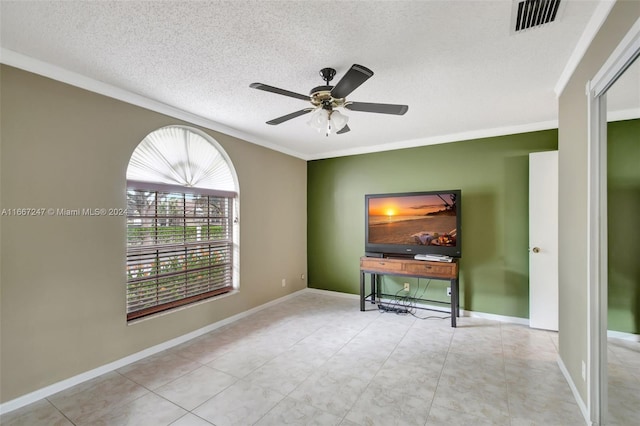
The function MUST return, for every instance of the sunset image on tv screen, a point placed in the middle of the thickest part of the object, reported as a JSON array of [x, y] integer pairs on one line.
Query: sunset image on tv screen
[[419, 220]]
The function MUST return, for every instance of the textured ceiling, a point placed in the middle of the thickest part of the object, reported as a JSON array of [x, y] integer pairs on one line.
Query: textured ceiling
[[455, 63]]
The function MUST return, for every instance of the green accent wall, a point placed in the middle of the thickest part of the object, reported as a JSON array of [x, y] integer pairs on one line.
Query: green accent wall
[[493, 176], [623, 201]]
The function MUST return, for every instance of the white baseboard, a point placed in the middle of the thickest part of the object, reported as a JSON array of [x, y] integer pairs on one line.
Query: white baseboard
[[54, 388], [494, 317], [624, 336], [332, 293], [91, 374], [464, 313], [576, 395]]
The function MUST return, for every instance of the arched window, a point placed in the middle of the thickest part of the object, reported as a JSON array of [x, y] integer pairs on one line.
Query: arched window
[[182, 220]]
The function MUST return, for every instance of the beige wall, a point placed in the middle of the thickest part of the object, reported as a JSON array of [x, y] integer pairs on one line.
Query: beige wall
[[572, 145], [63, 278]]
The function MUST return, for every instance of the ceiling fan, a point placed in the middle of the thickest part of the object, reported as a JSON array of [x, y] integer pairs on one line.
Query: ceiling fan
[[325, 99]]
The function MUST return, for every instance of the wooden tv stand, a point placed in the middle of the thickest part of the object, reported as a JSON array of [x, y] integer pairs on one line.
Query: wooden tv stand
[[408, 268]]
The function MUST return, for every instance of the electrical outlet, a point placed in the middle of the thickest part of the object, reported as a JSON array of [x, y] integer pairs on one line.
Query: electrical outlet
[[584, 371], [302, 277], [407, 287], [284, 282], [449, 291]]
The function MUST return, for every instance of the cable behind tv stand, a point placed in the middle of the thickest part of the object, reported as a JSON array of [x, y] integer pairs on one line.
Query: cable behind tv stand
[[407, 267]]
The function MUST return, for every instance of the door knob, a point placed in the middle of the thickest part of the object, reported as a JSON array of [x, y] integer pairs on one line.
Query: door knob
[[535, 250]]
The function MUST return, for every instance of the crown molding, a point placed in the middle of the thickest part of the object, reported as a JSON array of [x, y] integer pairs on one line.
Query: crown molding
[[453, 137], [48, 70], [45, 69]]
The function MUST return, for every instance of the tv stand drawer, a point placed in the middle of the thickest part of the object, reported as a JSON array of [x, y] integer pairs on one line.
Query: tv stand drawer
[[419, 268], [433, 269], [373, 264]]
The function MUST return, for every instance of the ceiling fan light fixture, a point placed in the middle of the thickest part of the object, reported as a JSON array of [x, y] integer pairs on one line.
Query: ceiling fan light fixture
[[327, 121], [319, 120], [337, 121]]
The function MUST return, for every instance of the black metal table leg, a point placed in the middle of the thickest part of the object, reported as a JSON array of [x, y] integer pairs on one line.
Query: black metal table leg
[[458, 298], [362, 295], [454, 303], [374, 288]]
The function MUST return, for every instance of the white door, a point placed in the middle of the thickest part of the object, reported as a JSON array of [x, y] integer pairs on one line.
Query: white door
[[543, 240]]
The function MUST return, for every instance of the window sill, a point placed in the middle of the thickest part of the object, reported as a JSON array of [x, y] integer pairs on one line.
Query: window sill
[[180, 308]]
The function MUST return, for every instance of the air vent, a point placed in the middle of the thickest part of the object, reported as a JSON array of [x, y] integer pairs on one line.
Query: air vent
[[529, 14]]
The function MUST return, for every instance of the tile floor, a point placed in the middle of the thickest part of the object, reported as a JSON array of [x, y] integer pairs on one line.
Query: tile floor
[[317, 360], [624, 382]]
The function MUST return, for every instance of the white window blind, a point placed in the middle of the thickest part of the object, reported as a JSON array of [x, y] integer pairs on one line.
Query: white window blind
[[181, 227], [179, 249], [178, 156]]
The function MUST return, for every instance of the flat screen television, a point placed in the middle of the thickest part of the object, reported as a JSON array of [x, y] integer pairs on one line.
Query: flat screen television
[[410, 223]]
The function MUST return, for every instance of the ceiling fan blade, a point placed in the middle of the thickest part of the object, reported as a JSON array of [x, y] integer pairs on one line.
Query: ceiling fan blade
[[356, 75], [278, 91], [379, 108], [289, 116], [345, 129]]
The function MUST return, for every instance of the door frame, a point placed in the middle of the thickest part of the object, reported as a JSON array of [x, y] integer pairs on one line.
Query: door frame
[[621, 58]]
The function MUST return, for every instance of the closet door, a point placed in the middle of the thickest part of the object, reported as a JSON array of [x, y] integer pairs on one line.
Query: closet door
[[543, 240]]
